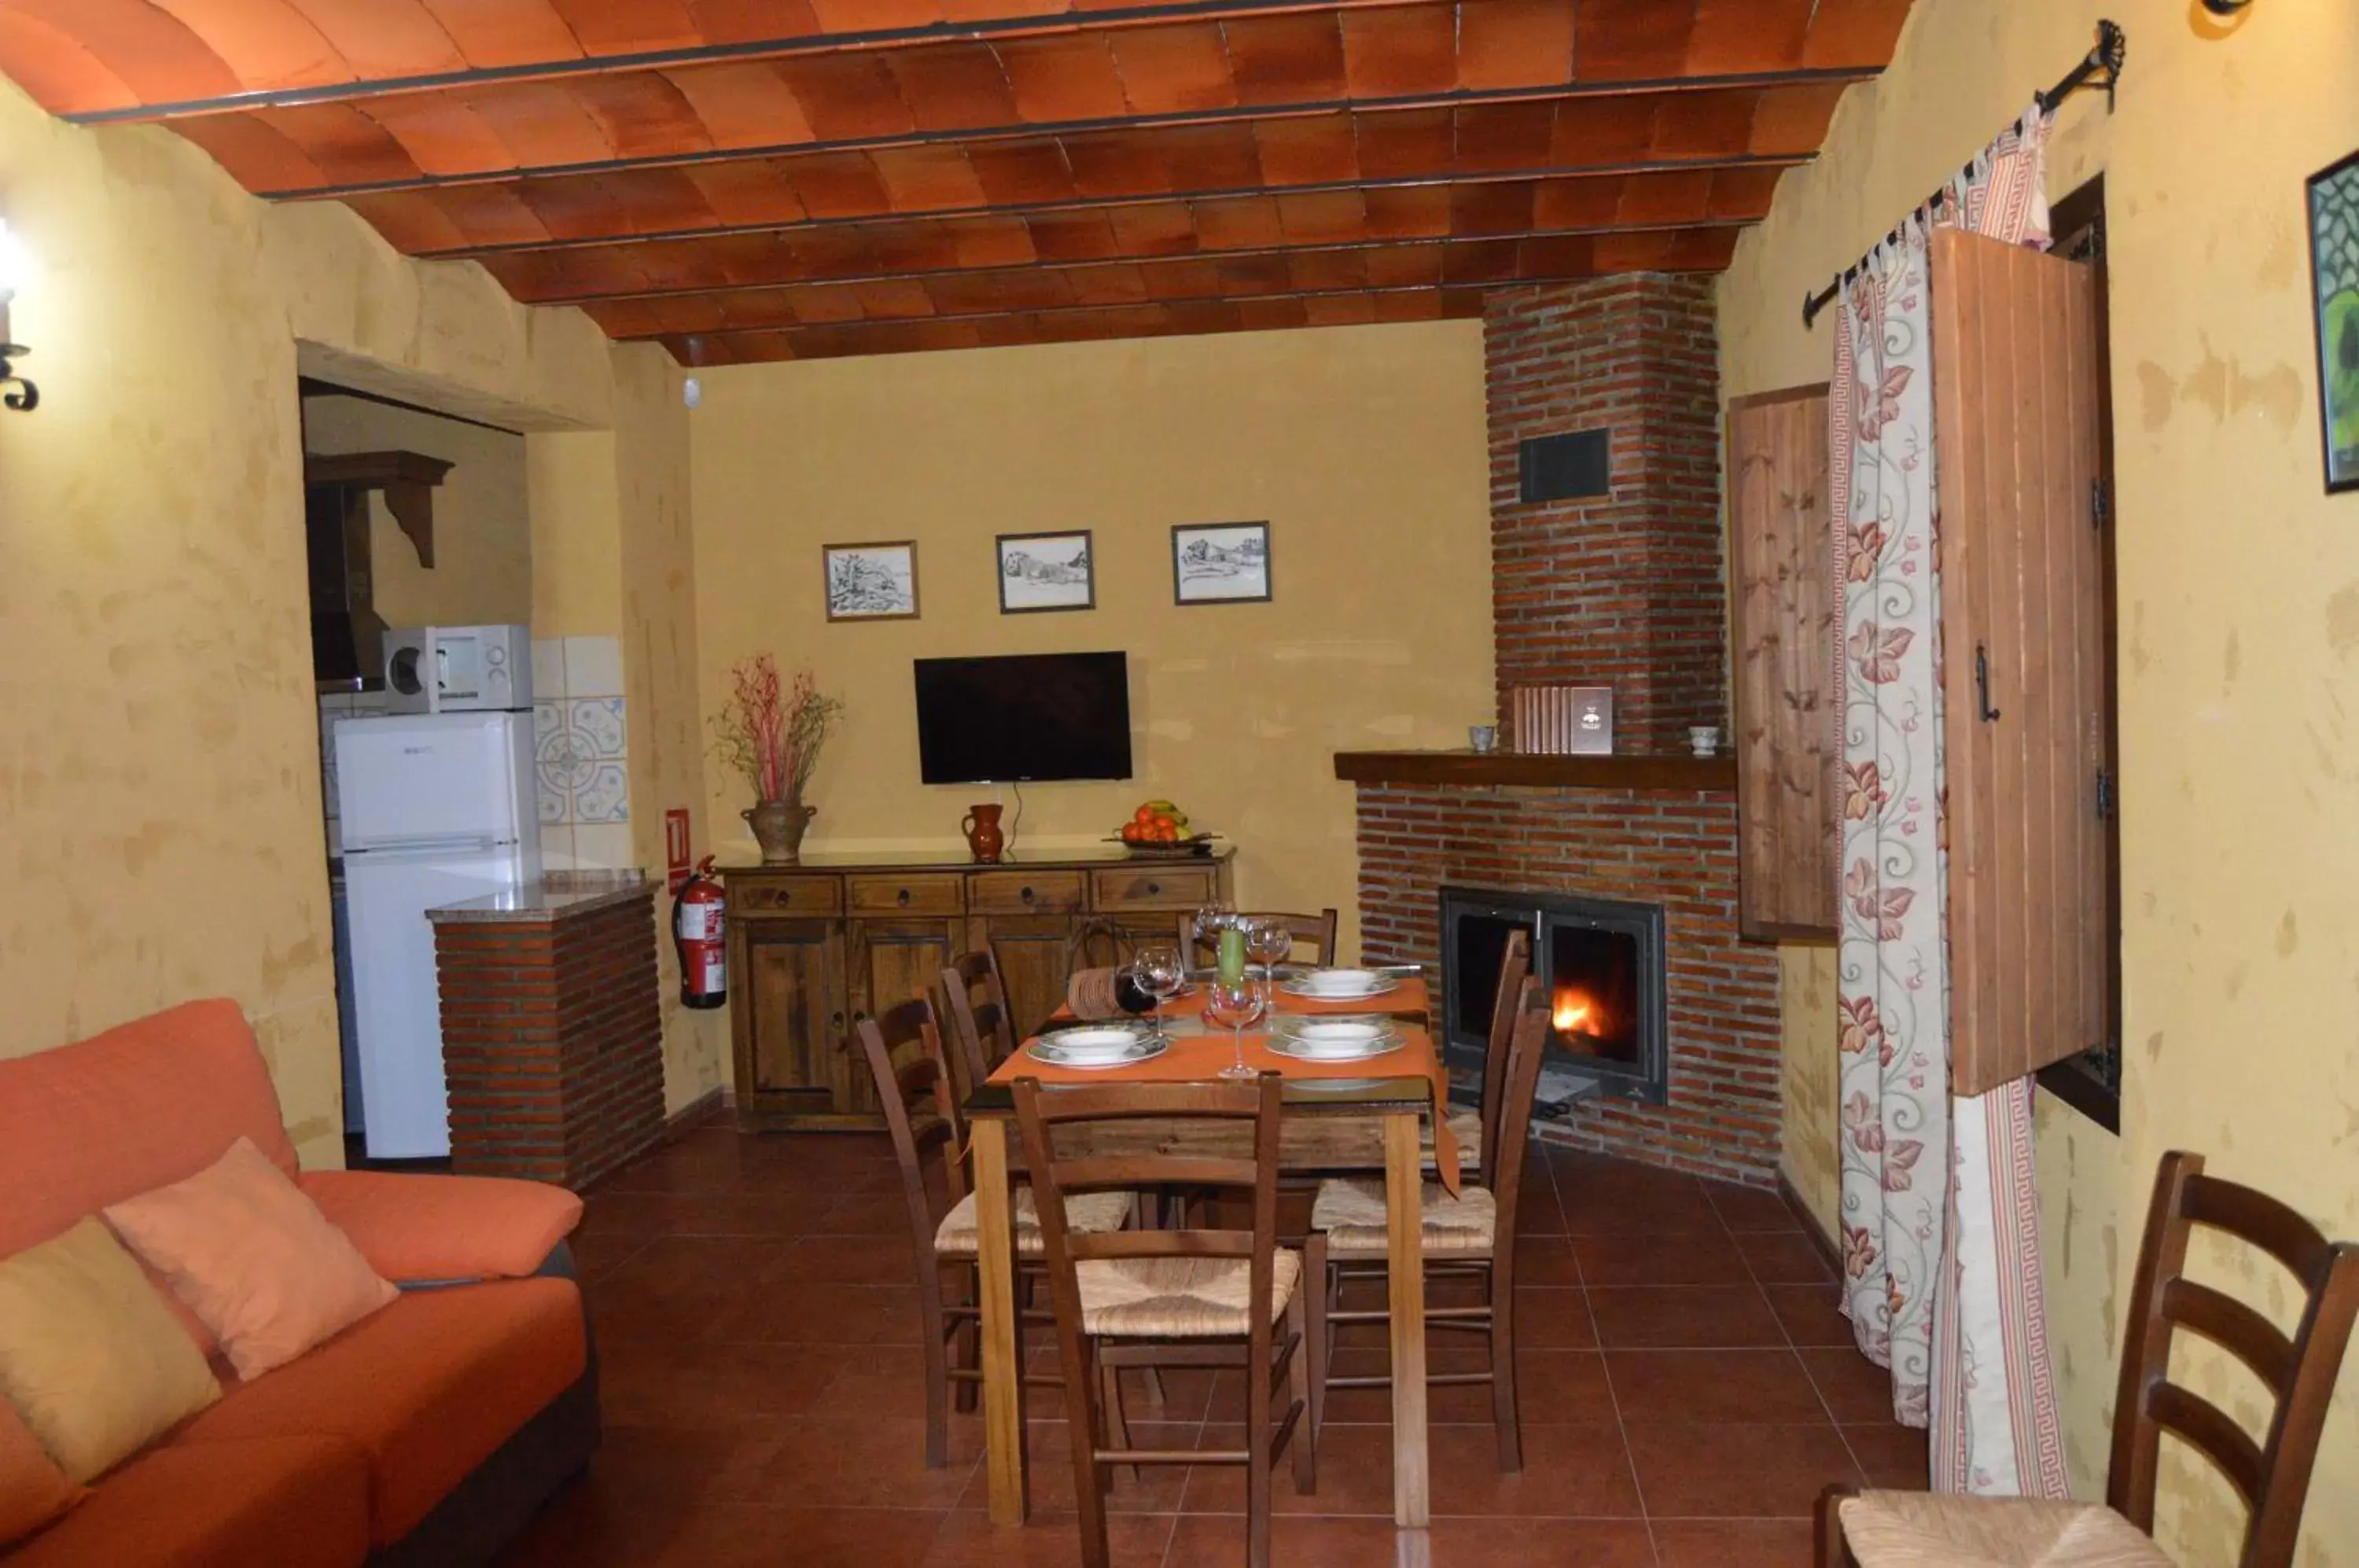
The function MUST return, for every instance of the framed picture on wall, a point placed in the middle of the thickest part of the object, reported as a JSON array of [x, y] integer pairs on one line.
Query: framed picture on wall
[[1046, 572], [872, 581], [1220, 563], [2334, 278]]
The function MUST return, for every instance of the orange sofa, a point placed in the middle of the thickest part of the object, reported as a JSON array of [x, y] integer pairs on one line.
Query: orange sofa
[[427, 1432]]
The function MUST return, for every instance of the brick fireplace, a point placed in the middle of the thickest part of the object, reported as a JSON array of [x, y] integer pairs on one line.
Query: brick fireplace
[[1623, 589]]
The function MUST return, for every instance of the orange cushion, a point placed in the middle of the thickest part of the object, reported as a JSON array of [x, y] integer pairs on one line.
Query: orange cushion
[[33, 1490], [427, 1388], [253, 1257], [413, 1227], [297, 1502], [127, 1110]]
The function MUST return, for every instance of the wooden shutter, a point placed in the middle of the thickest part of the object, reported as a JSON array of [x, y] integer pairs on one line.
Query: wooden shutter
[[1782, 556], [2015, 362]]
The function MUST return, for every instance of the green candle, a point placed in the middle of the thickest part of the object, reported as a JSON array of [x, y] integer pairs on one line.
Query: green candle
[[1232, 955]]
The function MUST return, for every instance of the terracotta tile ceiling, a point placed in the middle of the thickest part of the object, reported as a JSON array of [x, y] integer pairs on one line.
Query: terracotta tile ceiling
[[752, 179]]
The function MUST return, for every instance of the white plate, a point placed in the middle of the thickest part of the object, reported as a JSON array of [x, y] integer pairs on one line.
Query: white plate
[[1087, 1045], [1339, 985], [1312, 1051], [1143, 1049]]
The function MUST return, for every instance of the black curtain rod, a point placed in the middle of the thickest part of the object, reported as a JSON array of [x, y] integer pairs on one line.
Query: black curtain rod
[[2101, 67]]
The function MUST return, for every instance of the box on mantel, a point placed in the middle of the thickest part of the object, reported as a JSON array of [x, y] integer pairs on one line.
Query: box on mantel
[[1563, 721]]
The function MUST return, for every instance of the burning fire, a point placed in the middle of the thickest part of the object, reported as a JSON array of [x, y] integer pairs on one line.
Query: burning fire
[[1576, 1013]]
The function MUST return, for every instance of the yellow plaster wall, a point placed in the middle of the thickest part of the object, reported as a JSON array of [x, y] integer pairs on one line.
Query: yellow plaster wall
[[2239, 586], [482, 573], [159, 789], [1363, 446]]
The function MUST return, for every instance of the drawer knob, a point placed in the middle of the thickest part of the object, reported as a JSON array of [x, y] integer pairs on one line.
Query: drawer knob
[[1027, 895], [902, 898], [1152, 889]]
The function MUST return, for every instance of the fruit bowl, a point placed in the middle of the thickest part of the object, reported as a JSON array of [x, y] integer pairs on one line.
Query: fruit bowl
[[1195, 845]]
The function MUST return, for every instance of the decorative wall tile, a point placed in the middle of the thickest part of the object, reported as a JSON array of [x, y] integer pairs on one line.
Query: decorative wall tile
[[579, 747], [593, 667]]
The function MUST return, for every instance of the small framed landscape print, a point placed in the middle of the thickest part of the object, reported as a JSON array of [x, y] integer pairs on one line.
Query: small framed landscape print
[[872, 581], [1046, 572], [1218, 563], [2334, 275]]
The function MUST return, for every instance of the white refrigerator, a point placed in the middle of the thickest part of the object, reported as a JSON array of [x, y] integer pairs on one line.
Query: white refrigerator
[[434, 809]]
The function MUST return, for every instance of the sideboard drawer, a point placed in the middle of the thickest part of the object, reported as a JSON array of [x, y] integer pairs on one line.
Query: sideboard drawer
[[785, 894], [1154, 887], [1024, 892], [927, 893]]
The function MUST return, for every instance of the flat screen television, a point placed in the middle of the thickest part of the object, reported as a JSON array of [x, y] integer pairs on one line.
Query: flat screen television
[[1024, 717]]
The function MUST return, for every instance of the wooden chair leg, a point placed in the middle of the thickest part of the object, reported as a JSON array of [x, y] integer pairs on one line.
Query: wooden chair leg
[[938, 1370], [1302, 1376], [1259, 1430], [966, 1347], [1503, 1382], [1315, 1291], [1117, 1422], [1832, 1552], [1088, 1476]]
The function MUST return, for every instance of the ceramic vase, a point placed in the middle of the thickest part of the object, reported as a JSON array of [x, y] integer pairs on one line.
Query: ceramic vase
[[983, 837], [778, 827]]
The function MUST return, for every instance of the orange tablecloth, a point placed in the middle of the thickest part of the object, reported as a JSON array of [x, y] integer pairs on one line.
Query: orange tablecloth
[[1195, 1058]]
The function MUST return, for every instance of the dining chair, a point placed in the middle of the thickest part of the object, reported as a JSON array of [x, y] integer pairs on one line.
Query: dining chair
[[1875, 1527], [981, 1027], [1472, 1236], [904, 1053], [1170, 1297], [1316, 932], [1470, 1126]]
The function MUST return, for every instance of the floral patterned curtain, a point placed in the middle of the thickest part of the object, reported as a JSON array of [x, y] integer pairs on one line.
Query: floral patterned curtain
[[1940, 1223]]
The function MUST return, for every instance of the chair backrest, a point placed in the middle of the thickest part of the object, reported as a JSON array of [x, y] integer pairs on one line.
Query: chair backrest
[[903, 1048], [2274, 1475], [1316, 932], [981, 1027], [1514, 965], [1505, 1134], [1178, 1114]]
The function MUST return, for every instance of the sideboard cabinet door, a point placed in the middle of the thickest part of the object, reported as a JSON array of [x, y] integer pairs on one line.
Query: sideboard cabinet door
[[789, 1010]]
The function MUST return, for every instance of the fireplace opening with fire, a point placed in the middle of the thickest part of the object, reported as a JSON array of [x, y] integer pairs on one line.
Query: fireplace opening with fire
[[1601, 962]]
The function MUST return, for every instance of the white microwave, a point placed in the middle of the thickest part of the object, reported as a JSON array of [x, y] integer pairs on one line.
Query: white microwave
[[458, 670]]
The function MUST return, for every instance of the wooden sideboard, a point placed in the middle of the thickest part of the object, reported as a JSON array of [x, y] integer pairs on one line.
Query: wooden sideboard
[[816, 947]]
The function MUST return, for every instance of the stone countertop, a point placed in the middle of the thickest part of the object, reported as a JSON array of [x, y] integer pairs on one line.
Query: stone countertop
[[555, 897]]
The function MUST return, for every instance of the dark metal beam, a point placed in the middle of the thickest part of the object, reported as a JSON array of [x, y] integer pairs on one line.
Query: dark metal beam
[[1160, 198], [1049, 130]]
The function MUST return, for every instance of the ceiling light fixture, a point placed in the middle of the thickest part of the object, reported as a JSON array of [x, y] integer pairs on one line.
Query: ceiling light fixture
[[16, 267]]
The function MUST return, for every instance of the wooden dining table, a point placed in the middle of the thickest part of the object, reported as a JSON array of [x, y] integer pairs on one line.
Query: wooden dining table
[[1338, 1119]]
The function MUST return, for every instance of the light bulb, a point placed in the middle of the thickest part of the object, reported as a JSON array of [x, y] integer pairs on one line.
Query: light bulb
[[15, 262]]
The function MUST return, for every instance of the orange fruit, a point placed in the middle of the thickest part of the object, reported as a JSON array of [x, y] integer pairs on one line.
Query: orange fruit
[[1144, 814]]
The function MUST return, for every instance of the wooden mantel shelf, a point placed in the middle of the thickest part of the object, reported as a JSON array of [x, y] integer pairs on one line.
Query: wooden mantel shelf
[[1474, 769]]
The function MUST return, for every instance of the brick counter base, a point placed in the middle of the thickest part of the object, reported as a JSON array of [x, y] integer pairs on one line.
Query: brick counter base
[[552, 1042], [1676, 848]]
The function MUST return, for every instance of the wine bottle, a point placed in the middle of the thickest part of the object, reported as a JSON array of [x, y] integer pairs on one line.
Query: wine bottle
[[1130, 995]]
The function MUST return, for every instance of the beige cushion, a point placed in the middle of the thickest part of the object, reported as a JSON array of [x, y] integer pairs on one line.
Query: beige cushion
[[1922, 1530], [1086, 1214], [1352, 1212], [89, 1354], [1466, 1127], [1178, 1298]]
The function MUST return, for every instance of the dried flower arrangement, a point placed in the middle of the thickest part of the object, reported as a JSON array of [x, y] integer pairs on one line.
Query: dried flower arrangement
[[770, 734]]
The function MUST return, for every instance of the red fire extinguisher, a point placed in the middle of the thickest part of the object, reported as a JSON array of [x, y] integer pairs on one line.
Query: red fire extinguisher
[[696, 933]]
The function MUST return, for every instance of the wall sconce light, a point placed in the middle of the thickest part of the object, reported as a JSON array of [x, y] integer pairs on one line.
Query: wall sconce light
[[16, 267]]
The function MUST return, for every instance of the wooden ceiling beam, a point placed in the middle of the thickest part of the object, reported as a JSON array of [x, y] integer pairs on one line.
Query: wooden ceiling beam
[[957, 140]]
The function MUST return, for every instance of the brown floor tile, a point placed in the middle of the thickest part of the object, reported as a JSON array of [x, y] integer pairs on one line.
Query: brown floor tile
[[1713, 1385], [1537, 1212], [1539, 1543], [1645, 1259], [1551, 1319], [837, 1461], [1752, 1208], [1686, 1317], [1890, 1455], [1855, 1388], [1051, 1477], [1809, 1314], [1561, 1388], [714, 1386], [969, 1539], [798, 1312], [1750, 1471], [1546, 1261], [679, 1289], [1355, 1475], [1602, 1198], [1729, 1543], [595, 1257], [1445, 1402], [643, 1491], [1218, 1541], [874, 1259], [875, 1380], [1784, 1257], [1569, 1472], [732, 1212]]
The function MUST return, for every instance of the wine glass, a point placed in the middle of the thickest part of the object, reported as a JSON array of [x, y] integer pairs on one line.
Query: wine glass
[[1267, 942], [1160, 972], [1236, 1006]]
